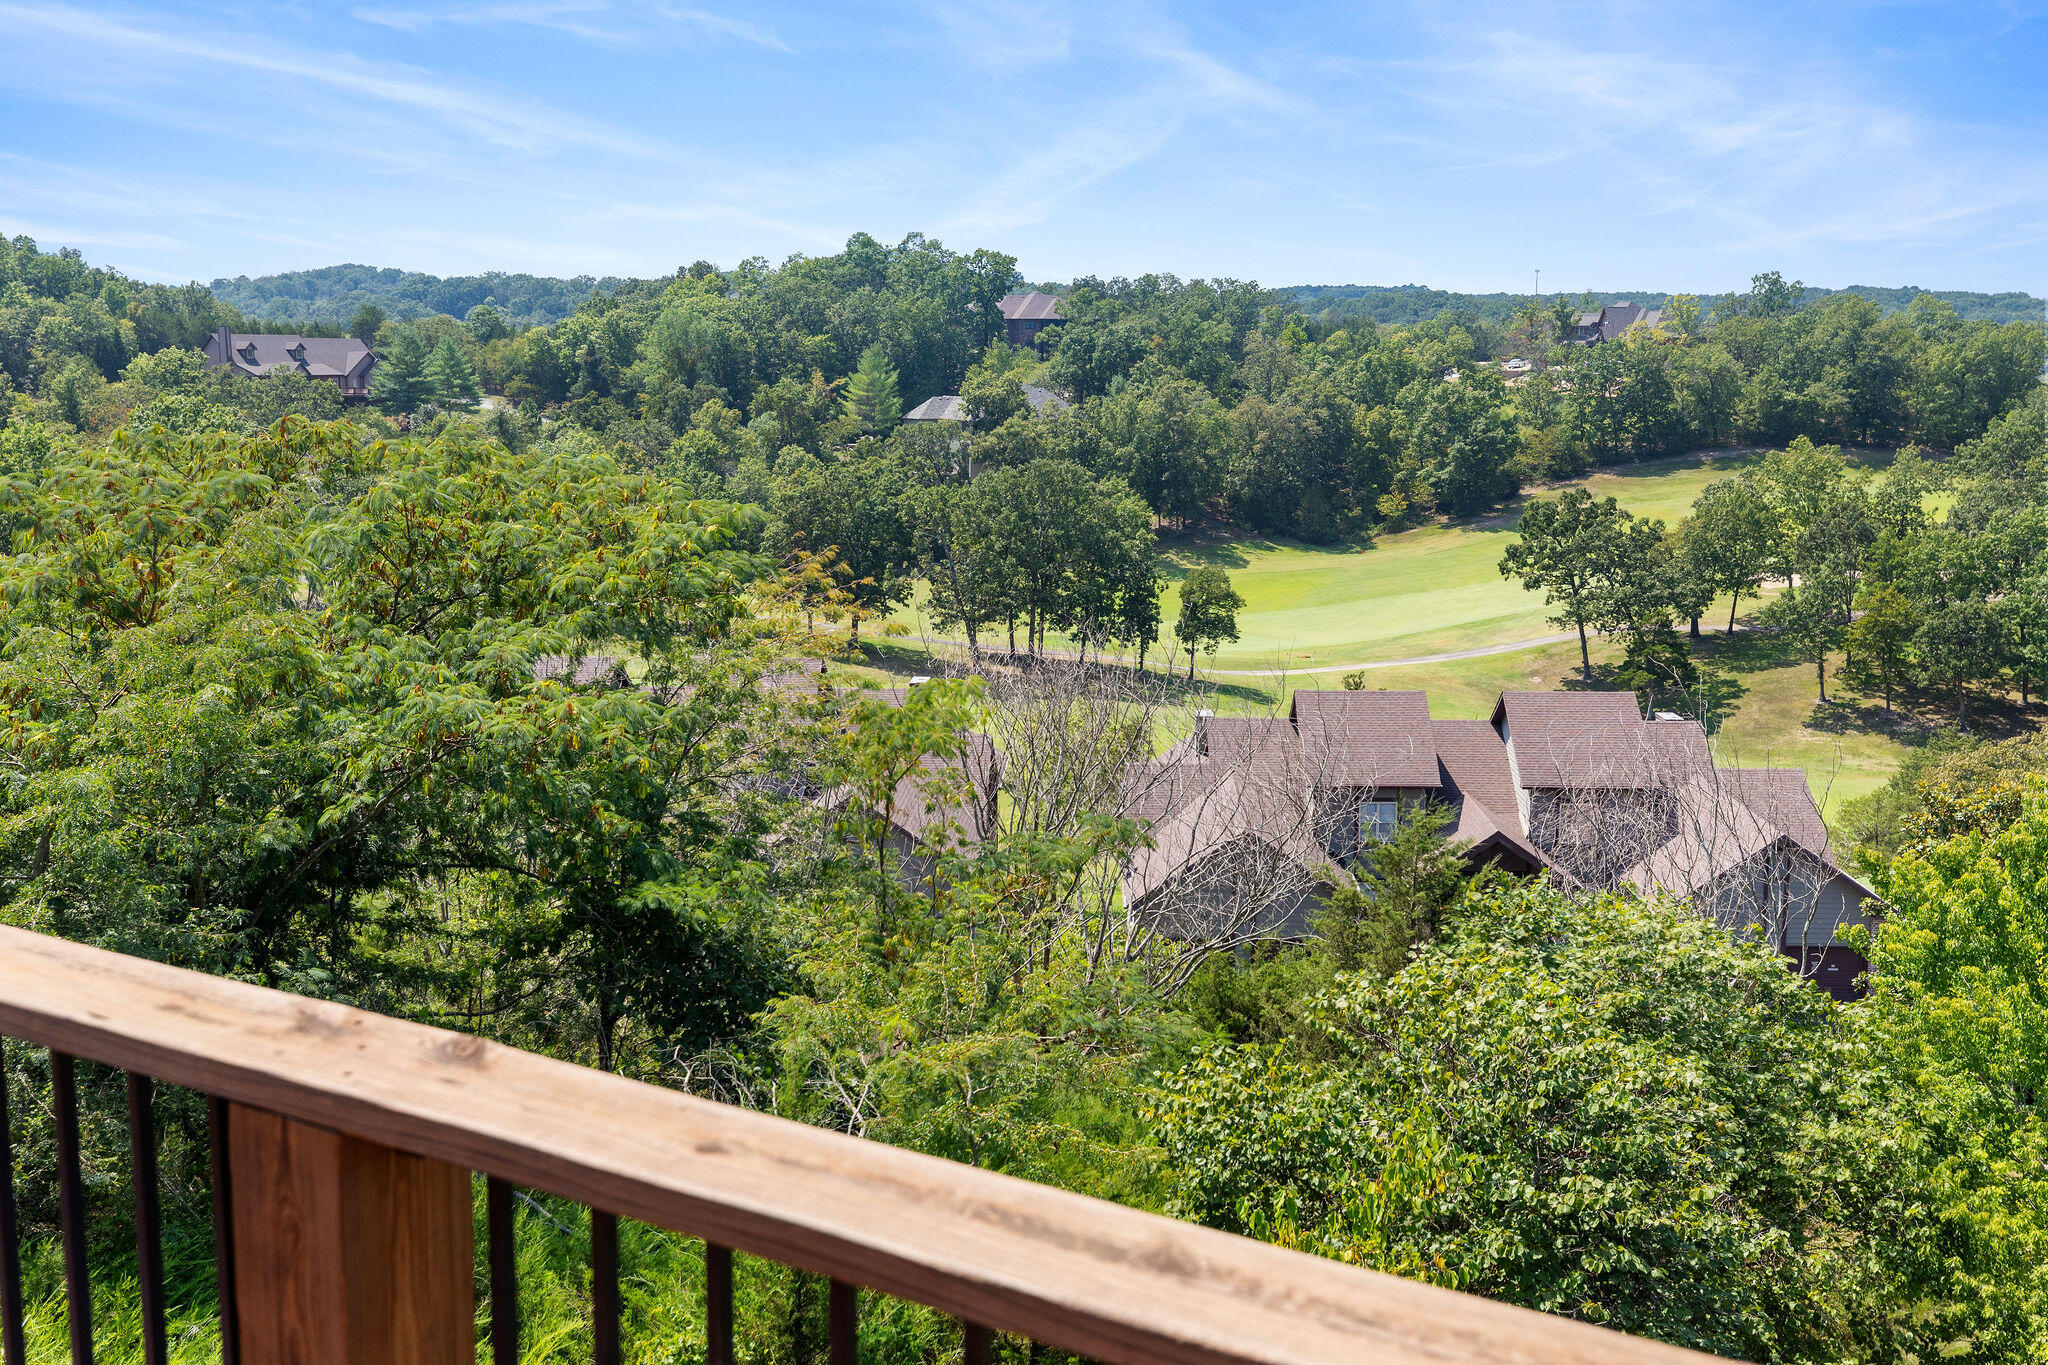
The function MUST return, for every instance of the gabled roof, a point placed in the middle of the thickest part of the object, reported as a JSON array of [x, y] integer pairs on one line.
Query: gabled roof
[[944, 407], [1365, 739], [1781, 797], [951, 407], [1043, 400], [1473, 771], [328, 357], [1596, 741], [1031, 307], [1203, 804]]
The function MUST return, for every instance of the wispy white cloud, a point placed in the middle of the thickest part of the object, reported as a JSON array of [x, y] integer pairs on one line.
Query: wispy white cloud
[[1032, 186], [87, 235], [1006, 35], [1779, 158], [602, 22], [1180, 83], [510, 121]]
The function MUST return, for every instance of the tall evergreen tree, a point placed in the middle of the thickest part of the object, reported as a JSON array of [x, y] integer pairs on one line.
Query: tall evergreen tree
[[398, 385], [871, 398], [449, 377]]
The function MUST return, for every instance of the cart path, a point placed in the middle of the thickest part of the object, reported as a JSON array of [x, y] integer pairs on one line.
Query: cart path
[[1510, 647]]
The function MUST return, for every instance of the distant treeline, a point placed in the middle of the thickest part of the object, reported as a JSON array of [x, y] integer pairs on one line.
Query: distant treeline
[[332, 294], [329, 297], [1403, 305]]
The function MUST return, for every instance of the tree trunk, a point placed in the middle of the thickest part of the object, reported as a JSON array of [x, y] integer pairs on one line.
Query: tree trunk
[[1820, 671], [1585, 658], [1695, 630], [1013, 636], [1733, 599]]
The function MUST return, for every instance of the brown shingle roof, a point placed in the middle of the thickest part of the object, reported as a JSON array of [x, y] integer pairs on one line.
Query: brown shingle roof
[[1365, 739], [1474, 773], [1596, 741], [1781, 797], [1030, 307]]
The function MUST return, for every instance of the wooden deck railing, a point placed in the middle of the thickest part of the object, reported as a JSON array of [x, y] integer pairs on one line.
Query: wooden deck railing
[[343, 1144]]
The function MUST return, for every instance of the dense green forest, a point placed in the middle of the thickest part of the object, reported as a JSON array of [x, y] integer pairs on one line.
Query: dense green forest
[[1410, 303], [332, 294], [271, 710]]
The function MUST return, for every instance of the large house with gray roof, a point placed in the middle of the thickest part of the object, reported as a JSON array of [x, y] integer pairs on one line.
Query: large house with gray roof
[[1610, 322], [1578, 785], [344, 362]]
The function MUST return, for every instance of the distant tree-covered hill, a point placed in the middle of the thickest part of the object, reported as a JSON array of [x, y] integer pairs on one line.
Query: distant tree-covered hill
[[1406, 304], [332, 294]]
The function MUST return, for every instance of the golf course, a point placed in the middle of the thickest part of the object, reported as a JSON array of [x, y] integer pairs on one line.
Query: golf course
[[1315, 612]]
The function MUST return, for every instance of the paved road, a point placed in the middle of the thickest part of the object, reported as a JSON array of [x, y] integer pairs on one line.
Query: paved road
[[1509, 648]]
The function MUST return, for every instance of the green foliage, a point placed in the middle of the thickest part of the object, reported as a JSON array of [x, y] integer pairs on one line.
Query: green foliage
[[448, 376], [1957, 987], [1598, 1108], [1208, 612], [1405, 885], [1596, 563], [399, 382], [871, 399]]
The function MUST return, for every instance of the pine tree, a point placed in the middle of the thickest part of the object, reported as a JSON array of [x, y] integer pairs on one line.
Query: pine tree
[[449, 377], [398, 384], [872, 400]]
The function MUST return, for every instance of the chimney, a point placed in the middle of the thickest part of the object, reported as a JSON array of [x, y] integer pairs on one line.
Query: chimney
[[1202, 719]]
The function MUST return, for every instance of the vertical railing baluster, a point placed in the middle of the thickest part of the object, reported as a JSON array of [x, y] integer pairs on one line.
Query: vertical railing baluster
[[842, 1316], [504, 1272], [13, 1344], [977, 1345], [717, 1305], [71, 1206], [149, 1243], [224, 1231], [604, 1287]]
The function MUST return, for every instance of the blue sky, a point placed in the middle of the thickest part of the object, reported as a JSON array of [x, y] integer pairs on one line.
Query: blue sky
[[1462, 145]]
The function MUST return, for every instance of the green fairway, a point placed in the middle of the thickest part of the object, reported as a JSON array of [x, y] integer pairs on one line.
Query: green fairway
[[1438, 589], [1431, 590]]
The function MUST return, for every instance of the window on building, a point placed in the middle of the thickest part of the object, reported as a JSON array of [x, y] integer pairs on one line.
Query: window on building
[[1376, 820]]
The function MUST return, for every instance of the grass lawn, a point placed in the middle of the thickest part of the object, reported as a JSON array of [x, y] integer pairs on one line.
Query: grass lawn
[[1438, 589], [1430, 590]]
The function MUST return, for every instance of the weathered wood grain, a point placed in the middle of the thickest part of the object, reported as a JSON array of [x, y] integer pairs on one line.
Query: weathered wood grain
[[1109, 1282]]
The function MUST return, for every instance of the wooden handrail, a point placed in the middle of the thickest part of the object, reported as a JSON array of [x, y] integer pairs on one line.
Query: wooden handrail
[[1078, 1273]]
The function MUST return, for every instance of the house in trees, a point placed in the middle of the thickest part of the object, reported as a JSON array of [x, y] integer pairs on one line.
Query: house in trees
[[1611, 321], [951, 407], [947, 803], [1026, 316], [1252, 819], [344, 362]]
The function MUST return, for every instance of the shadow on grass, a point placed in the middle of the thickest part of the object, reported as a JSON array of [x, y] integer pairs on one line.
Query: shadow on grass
[[1749, 650], [1223, 550]]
